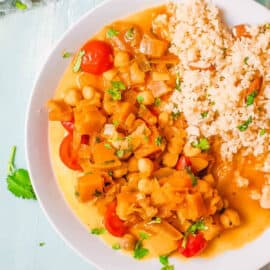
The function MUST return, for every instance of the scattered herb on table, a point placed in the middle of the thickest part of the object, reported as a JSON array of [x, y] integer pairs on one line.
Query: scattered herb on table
[[67, 54], [41, 244], [18, 180], [20, 5]]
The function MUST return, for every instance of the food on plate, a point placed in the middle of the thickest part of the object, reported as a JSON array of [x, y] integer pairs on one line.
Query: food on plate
[[159, 132]]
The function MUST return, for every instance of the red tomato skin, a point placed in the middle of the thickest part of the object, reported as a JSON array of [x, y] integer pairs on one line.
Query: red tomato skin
[[195, 245], [182, 163], [67, 155], [68, 125], [98, 57], [114, 225]]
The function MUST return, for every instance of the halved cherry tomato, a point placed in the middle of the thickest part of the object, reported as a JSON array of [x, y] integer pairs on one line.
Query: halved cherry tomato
[[98, 57], [68, 125], [182, 163], [113, 223], [195, 245], [67, 154]]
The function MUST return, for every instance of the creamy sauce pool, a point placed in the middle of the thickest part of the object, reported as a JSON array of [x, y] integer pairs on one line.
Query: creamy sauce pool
[[254, 219]]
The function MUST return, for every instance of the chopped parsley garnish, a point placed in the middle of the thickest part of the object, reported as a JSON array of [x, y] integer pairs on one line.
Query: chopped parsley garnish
[[202, 144], [41, 244], [139, 251], [245, 125], [246, 60], [110, 173], [78, 62], [115, 123], [116, 89], [108, 146], [112, 33], [193, 229], [175, 115], [194, 180], [116, 246], [157, 102], [204, 114], [20, 5], [66, 54], [98, 231], [143, 235], [159, 140], [164, 260], [129, 35], [97, 193], [140, 99], [251, 97], [155, 220], [178, 83], [18, 180], [262, 132], [120, 153]]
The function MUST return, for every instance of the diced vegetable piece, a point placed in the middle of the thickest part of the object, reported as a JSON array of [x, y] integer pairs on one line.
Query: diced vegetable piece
[[147, 151], [122, 112], [157, 233], [195, 245], [179, 180], [254, 88], [195, 206], [113, 223], [121, 59], [183, 162], [59, 111], [158, 88], [198, 164], [230, 219], [153, 47], [68, 154], [125, 204], [88, 119], [137, 76], [160, 76], [103, 154], [84, 79], [89, 185], [241, 30], [202, 66]]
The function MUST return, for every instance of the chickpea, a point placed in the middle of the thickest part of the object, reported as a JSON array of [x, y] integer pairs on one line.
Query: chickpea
[[146, 97], [127, 242], [72, 97], [118, 173], [145, 166], [121, 59], [145, 186], [191, 151], [164, 118], [88, 92], [230, 219], [175, 145]]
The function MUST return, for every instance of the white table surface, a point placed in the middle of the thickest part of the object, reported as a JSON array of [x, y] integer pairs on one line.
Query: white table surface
[[25, 41]]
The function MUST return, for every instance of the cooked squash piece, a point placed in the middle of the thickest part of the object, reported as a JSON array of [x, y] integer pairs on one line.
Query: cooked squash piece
[[137, 76], [195, 207], [59, 111], [87, 79], [89, 185], [122, 112], [198, 164], [88, 119], [103, 154], [179, 180], [125, 204], [158, 88]]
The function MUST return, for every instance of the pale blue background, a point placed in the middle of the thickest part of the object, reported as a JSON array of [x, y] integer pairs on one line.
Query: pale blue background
[[25, 41]]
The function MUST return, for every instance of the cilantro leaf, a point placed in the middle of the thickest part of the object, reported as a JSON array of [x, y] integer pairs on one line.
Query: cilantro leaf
[[78, 62], [116, 89], [157, 102], [98, 231], [20, 5], [167, 267], [143, 235], [18, 180], [140, 99], [139, 251], [107, 145], [251, 97], [202, 144], [116, 246], [159, 140], [262, 132], [120, 153], [66, 54], [246, 60], [178, 83], [194, 180], [41, 244], [204, 114], [175, 115], [112, 33], [164, 260], [245, 125]]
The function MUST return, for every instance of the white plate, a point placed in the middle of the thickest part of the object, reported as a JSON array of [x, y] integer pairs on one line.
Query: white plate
[[251, 257]]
